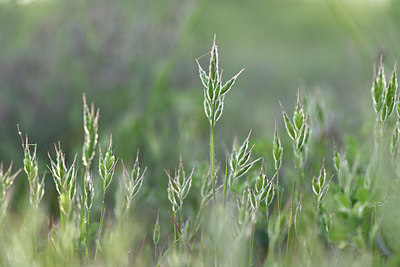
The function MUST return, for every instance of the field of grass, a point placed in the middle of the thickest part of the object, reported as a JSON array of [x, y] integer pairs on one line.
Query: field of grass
[[241, 212], [186, 154]]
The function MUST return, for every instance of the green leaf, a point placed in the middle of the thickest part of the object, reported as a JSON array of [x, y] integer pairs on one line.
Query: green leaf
[[362, 195], [343, 200]]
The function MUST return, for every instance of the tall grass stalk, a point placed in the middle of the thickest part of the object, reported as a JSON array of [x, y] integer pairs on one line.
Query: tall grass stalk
[[214, 95], [277, 152], [90, 126], [298, 130], [36, 186], [291, 212], [106, 170], [212, 162]]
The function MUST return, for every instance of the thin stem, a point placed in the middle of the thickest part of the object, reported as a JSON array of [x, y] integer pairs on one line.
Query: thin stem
[[62, 220], [35, 233], [87, 234], [225, 182], [83, 214], [278, 190], [196, 225], [82, 221], [251, 245], [175, 231], [155, 254], [291, 210], [101, 224], [212, 161], [180, 227], [279, 209]]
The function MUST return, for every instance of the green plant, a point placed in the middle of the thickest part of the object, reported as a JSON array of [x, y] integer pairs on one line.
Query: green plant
[[178, 188], [106, 170], [298, 130], [214, 95], [36, 186], [133, 182], [65, 181], [6, 180]]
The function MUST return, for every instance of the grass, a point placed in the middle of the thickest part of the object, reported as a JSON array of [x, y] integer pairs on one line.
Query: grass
[[244, 214]]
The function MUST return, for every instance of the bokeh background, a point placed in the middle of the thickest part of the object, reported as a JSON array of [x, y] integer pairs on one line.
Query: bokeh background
[[136, 61]]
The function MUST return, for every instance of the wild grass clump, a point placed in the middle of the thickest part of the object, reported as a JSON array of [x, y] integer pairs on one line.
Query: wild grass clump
[[308, 208]]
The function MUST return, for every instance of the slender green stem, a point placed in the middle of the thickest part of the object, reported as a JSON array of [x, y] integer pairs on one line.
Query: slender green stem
[[62, 220], [279, 209], [82, 221], [155, 254], [213, 178], [212, 161], [87, 235], [101, 224], [196, 221], [291, 210], [175, 230], [251, 245], [225, 182], [180, 227], [83, 214], [278, 192]]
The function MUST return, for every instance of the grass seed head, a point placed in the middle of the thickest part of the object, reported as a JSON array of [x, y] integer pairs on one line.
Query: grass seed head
[[88, 191], [214, 91], [178, 187], [64, 179], [378, 88], [289, 126], [107, 165], [6, 180], [263, 188], [277, 150], [240, 160], [206, 190], [298, 115], [36, 185], [394, 144], [336, 159], [390, 95], [320, 185], [298, 129], [156, 231], [244, 207], [90, 126], [133, 181]]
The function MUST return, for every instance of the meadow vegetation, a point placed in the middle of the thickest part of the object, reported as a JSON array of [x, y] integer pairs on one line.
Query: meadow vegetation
[[319, 203]]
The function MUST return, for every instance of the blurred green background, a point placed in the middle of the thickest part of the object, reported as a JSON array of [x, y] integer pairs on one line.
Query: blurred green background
[[136, 61]]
